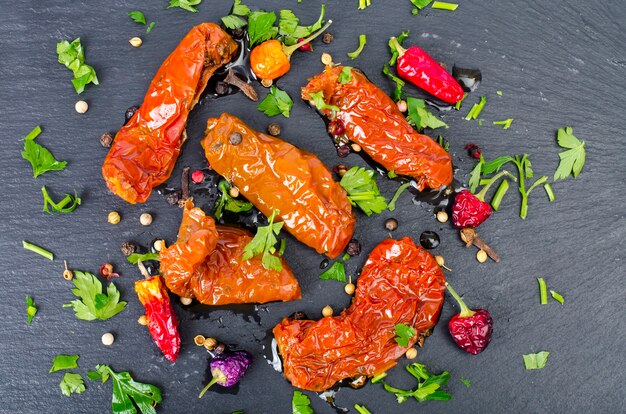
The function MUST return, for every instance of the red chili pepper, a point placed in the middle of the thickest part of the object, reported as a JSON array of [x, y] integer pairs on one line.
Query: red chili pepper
[[416, 66], [162, 321], [471, 210], [470, 329]]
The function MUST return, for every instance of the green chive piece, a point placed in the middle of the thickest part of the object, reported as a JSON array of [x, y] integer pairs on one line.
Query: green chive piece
[[549, 191], [392, 204], [543, 291], [442, 5], [499, 194], [39, 250], [499, 93], [557, 296], [378, 377], [33, 134], [506, 124], [357, 52], [476, 109]]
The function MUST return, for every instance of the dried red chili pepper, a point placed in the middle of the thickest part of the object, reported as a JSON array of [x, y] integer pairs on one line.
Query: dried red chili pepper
[[270, 59], [419, 68], [145, 150], [400, 283], [162, 321], [205, 263], [313, 206], [470, 329], [471, 210], [373, 120]]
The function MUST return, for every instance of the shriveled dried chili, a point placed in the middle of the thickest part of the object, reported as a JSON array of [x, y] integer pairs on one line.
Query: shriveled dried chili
[[146, 148], [206, 263], [371, 119], [162, 321], [400, 283], [274, 175]]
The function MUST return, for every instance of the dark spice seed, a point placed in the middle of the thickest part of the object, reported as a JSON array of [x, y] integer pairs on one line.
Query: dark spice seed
[[328, 38], [473, 150], [129, 113], [391, 224], [235, 138], [273, 129], [354, 248], [238, 34], [219, 349], [106, 139], [340, 170], [429, 239], [298, 316], [172, 198], [128, 248], [221, 88], [324, 264], [343, 151]]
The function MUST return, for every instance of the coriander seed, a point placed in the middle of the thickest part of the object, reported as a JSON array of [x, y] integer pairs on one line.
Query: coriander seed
[[114, 217], [273, 129], [442, 216], [198, 340], [186, 301], [142, 320], [356, 147], [402, 106], [267, 82], [135, 41], [209, 343], [327, 59], [233, 192], [67, 273], [481, 256], [108, 339], [159, 245], [81, 107], [327, 311], [349, 288], [145, 219], [411, 353], [391, 224]]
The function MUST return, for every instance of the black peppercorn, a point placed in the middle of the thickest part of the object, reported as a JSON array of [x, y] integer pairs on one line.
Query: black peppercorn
[[273, 129], [106, 139], [391, 224], [128, 248], [297, 316], [235, 138], [354, 248], [172, 198], [328, 38], [343, 151], [238, 33], [221, 88], [129, 113], [324, 264]]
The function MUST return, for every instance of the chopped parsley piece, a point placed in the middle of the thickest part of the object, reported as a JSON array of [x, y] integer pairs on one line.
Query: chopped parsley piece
[[137, 16], [392, 204], [72, 55], [499, 93], [549, 191], [226, 202], [536, 361], [420, 117], [391, 174], [362, 190], [524, 169], [573, 159], [404, 333], [543, 292], [398, 93], [443, 143], [66, 205], [428, 385], [261, 26], [62, 362], [357, 52], [233, 22], [144, 257], [240, 9], [127, 391], [40, 158], [441, 5], [263, 243], [361, 409], [393, 46], [336, 272], [457, 105], [419, 5], [345, 76], [31, 309], [318, 102], [506, 124], [150, 27], [72, 384], [93, 304], [275, 103], [185, 5], [364, 3], [39, 250], [465, 382], [476, 109], [300, 404], [494, 165], [557, 296], [290, 31]]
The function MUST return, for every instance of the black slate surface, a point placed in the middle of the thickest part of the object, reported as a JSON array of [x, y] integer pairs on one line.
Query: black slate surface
[[557, 62]]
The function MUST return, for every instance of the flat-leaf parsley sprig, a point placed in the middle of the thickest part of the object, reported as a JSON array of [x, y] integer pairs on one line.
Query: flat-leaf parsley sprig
[[263, 244]]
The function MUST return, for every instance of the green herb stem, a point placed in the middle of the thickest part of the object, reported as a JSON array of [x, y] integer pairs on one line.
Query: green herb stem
[[357, 52], [288, 50], [39, 250], [466, 312], [543, 291], [499, 195], [392, 204], [549, 191], [361, 409], [506, 124], [210, 384], [378, 377], [495, 178], [476, 109], [33, 134]]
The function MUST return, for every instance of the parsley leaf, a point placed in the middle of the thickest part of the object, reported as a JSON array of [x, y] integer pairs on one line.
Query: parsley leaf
[[403, 334], [233, 22], [31, 308], [494, 165], [137, 16], [336, 272], [345, 75], [300, 404], [185, 4], [240, 9], [136, 257], [40, 158], [465, 382], [289, 29], [93, 304], [63, 362], [393, 49], [66, 205], [572, 160], [420, 117], [474, 180], [362, 190], [226, 202], [72, 384], [536, 361], [72, 55], [263, 243], [128, 393], [398, 93], [357, 52], [275, 103], [392, 204], [318, 102], [261, 26], [427, 385]]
